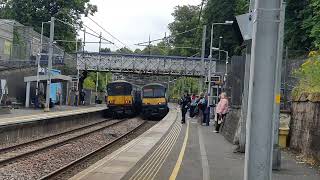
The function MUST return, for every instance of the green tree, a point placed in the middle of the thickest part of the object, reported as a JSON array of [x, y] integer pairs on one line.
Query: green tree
[[308, 75], [89, 84], [185, 18], [138, 51], [33, 13], [103, 80], [298, 25], [311, 22], [124, 50], [217, 11], [107, 50], [182, 85]]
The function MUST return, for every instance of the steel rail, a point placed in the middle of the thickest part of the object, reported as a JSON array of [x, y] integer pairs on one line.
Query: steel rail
[[60, 170], [51, 136], [13, 158]]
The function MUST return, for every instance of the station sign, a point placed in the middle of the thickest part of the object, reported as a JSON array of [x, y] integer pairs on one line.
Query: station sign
[[215, 80]]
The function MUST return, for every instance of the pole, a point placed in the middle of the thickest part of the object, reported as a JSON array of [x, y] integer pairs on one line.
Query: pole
[[47, 108], [97, 80], [210, 59], [245, 93], [84, 39], [227, 62], [38, 60], [168, 90], [149, 45], [276, 162], [285, 77], [202, 55], [97, 84], [219, 47], [259, 146], [78, 72]]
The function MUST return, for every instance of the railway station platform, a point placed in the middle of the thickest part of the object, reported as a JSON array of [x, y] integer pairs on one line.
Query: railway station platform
[[170, 150], [28, 115]]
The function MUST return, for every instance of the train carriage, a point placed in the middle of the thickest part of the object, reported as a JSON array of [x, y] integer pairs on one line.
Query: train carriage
[[154, 102], [123, 98]]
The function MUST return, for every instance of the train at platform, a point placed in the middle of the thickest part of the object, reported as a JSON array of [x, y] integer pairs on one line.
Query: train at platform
[[123, 98], [126, 99], [154, 101]]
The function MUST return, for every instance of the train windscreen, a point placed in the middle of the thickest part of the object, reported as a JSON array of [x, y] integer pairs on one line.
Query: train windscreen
[[153, 92], [116, 89]]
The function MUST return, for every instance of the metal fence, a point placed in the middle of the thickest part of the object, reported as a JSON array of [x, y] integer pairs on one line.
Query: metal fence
[[24, 44], [292, 60]]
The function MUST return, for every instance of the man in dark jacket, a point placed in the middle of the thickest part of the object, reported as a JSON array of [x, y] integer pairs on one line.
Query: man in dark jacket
[[185, 103]]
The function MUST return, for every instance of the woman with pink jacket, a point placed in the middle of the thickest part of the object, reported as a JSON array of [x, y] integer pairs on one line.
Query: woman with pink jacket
[[222, 110]]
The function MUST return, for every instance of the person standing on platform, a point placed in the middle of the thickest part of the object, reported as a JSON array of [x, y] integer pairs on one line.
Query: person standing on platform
[[82, 97], [222, 110], [192, 105], [206, 110], [185, 103], [200, 108]]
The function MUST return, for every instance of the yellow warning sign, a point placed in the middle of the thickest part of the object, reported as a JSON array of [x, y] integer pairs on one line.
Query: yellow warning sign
[[278, 97]]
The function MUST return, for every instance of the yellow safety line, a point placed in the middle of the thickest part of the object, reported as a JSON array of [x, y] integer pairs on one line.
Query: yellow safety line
[[155, 153], [166, 150], [163, 160], [179, 161], [151, 160]]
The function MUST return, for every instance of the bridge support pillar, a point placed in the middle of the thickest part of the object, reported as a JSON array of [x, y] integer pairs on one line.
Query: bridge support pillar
[[28, 94]]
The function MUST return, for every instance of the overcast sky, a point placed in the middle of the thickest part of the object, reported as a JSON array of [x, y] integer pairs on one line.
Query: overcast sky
[[131, 21]]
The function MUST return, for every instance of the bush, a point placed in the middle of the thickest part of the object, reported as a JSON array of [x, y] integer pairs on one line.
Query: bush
[[309, 75]]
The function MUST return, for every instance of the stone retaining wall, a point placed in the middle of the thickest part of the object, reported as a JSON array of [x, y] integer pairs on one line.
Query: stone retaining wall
[[305, 126], [231, 124]]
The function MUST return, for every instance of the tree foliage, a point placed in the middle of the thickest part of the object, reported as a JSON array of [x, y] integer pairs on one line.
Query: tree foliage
[[297, 27], [103, 80], [124, 50], [106, 50], [33, 13], [182, 85], [185, 18], [309, 75], [217, 11]]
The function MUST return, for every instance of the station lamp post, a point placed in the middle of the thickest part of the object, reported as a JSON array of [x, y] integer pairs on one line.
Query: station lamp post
[[210, 56], [227, 57], [39, 57]]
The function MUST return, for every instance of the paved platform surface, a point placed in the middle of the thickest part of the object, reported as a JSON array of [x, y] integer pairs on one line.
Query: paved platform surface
[[25, 115], [184, 152], [208, 156]]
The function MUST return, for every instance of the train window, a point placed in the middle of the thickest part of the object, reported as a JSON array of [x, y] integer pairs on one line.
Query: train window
[[119, 89], [156, 92], [159, 93], [148, 93]]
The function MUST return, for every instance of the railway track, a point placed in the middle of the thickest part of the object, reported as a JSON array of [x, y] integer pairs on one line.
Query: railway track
[[46, 160], [20, 150], [62, 169]]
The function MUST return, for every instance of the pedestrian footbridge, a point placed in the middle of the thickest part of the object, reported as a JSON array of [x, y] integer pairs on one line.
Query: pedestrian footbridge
[[144, 64]]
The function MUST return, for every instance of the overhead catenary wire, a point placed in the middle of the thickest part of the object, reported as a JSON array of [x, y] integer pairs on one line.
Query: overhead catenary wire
[[97, 35], [178, 47], [107, 32], [168, 37]]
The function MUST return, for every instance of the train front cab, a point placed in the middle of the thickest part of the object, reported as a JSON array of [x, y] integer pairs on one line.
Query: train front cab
[[154, 102], [123, 98]]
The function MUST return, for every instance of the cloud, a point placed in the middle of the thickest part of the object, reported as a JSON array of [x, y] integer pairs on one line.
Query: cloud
[[132, 21]]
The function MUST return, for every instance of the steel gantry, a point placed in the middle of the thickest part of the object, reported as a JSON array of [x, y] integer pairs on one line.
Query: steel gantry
[[144, 64]]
